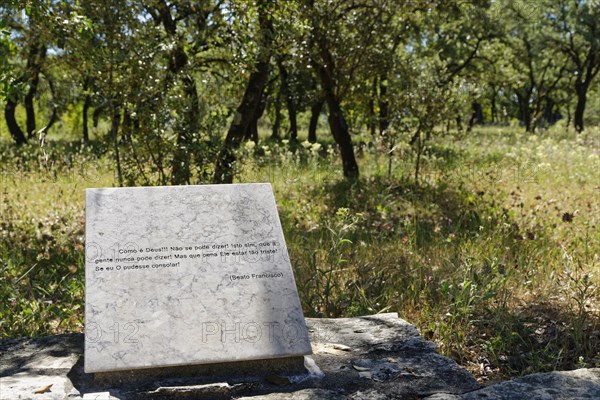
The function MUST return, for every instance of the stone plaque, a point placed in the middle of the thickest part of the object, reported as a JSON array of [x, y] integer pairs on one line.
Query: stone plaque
[[186, 275]]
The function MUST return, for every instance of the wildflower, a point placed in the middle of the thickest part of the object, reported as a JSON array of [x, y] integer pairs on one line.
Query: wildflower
[[342, 212], [250, 145]]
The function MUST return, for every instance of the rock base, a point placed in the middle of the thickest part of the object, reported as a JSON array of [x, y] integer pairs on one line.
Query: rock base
[[372, 357]]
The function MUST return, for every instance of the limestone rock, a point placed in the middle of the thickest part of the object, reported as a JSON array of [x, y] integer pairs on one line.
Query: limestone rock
[[368, 358], [579, 384], [365, 358]]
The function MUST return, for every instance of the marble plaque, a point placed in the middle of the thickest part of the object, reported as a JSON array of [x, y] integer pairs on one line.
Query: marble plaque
[[184, 275]]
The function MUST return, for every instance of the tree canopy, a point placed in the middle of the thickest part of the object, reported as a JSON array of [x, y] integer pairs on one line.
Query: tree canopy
[[182, 84]]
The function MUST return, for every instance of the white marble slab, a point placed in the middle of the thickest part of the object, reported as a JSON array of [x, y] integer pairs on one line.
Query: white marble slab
[[187, 275]]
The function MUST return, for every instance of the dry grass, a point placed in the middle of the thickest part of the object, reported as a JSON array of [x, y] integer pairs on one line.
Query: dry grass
[[495, 254]]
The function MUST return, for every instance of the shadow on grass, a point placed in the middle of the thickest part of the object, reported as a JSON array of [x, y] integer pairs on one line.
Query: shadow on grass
[[536, 337], [449, 260], [376, 257], [401, 207]]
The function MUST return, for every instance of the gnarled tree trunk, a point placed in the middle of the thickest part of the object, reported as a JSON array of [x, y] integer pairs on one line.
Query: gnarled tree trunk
[[87, 102], [277, 123], [526, 112], [289, 100], [252, 131], [476, 115], [581, 90], [384, 106], [35, 59], [11, 122], [180, 167], [337, 123], [315, 113], [249, 107]]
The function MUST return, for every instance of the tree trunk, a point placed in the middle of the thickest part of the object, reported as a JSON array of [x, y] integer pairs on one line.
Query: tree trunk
[[525, 111], [340, 132], [34, 67], [417, 138], [29, 109], [96, 114], [581, 90], [252, 131], [315, 113], [35, 59], [244, 116], [527, 119], [337, 123], [494, 108], [384, 119], [339, 128], [549, 114], [11, 122], [177, 61], [87, 102], [126, 126], [326, 67], [372, 116], [459, 125], [289, 101], [115, 122], [53, 118], [277, 123], [246, 112], [180, 166], [476, 116], [293, 120], [114, 135]]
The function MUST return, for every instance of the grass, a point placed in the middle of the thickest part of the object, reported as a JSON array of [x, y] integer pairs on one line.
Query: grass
[[494, 254]]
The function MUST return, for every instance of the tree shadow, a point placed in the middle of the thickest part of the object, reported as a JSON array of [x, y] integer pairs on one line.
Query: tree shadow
[[536, 337], [398, 208], [35, 351]]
